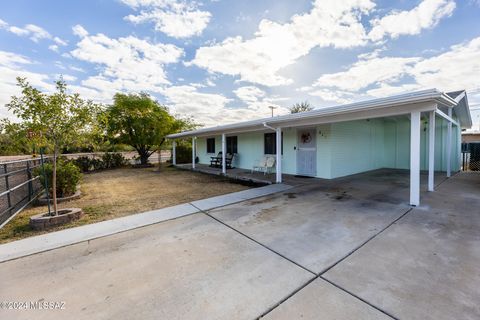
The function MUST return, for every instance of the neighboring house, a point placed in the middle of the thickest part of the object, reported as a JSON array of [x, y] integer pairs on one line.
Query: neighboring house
[[471, 136], [348, 139]]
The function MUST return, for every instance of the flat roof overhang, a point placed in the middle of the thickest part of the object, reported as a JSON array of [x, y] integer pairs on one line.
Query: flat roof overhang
[[426, 100]]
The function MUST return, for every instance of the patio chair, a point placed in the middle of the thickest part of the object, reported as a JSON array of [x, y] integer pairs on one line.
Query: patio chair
[[228, 160], [265, 165], [216, 162]]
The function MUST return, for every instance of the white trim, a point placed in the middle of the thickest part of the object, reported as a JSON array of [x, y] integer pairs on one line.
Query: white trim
[[174, 152], [447, 117], [449, 145], [224, 151], [431, 151], [279, 155], [193, 152], [415, 158]]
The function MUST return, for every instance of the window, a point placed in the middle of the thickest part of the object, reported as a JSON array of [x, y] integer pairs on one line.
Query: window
[[232, 145], [270, 143], [211, 145]]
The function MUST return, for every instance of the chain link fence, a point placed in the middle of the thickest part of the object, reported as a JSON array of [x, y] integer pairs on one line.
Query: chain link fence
[[18, 187], [471, 156]]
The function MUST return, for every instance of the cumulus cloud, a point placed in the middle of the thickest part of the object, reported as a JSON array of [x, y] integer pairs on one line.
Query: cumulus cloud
[[34, 32], [11, 67], [274, 46], [127, 63], [175, 18], [367, 71], [455, 69], [424, 16]]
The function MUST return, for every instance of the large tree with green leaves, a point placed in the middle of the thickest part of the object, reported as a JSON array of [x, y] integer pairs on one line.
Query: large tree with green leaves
[[139, 121], [301, 107], [55, 119]]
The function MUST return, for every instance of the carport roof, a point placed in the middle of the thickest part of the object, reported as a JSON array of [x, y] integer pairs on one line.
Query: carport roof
[[375, 107]]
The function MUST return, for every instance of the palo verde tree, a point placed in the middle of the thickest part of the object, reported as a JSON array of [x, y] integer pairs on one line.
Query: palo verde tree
[[301, 107], [141, 122], [56, 119]]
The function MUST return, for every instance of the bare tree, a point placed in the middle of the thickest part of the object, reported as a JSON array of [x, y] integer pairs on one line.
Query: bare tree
[[301, 107]]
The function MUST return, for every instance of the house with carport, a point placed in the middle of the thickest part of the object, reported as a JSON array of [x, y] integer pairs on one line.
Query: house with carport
[[412, 131]]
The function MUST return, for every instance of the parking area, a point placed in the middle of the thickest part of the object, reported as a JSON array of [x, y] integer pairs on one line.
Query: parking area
[[350, 248]]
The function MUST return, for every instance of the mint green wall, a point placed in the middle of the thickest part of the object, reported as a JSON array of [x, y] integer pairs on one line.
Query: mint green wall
[[351, 147]]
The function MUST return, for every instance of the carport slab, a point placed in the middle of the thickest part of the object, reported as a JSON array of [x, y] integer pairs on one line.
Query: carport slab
[[322, 300], [227, 199], [425, 266], [312, 225], [189, 268]]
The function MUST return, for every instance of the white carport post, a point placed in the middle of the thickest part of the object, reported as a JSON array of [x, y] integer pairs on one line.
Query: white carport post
[[174, 152], [224, 151], [449, 144], [415, 158], [278, 169], [193, 152], [431, 151]]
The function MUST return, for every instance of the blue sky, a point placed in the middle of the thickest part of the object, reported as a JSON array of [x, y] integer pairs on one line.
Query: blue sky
[[222, 61]]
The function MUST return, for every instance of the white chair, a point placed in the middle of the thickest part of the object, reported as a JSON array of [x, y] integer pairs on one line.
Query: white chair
[[265, 165]]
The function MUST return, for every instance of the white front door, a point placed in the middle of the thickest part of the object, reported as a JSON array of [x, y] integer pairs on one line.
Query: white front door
[[306, 152]]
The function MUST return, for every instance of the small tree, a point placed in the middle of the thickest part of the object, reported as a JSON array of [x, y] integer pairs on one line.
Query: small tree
[[141, 122], [301, 107], [57, 119]]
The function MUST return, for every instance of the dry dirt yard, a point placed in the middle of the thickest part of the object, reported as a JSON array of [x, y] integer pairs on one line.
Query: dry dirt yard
[[115, 193]]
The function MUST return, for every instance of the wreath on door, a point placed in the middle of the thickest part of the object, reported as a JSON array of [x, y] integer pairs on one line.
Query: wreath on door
[[306, 137]]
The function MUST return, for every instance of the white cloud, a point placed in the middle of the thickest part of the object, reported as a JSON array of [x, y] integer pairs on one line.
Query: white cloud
[[211, 109], [206, 108], [458, 68], [34, 32], [275, 46], [337, 96], [11, 67], [126, 63], [79, 31], [175, 18], [370, 69], [53, 47], [424, 16]]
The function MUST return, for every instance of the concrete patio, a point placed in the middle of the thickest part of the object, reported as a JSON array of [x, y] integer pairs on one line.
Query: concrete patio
[[349, 248]]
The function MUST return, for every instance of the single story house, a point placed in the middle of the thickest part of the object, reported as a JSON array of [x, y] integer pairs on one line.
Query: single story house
[[400, 131]]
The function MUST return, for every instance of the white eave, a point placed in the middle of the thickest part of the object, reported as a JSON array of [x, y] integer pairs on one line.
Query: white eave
[[369, 109]]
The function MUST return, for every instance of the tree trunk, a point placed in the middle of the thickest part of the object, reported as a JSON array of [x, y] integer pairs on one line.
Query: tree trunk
[[143, 156], [54, 181]]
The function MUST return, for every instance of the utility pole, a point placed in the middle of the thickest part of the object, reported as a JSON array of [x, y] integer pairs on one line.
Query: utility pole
[[272, 108]]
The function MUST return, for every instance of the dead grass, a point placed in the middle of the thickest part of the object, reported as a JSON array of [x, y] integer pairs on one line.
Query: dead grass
[[116, 193]]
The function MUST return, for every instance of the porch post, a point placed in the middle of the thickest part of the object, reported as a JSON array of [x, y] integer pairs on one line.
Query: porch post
[[224, 151], [174, 152], [193, 152], [431, 151], [415, 158], [279, 155], [449, 145]]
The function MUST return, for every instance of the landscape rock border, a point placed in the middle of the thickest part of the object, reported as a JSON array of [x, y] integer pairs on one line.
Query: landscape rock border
[[44, 221], [42, 200]]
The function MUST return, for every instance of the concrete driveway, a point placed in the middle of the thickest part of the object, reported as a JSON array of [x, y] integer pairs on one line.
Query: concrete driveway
[[345, 249]]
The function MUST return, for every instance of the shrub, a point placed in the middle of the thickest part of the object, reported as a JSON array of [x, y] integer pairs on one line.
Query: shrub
[[68, 177], [113, 160], [83, 163], [184, 154]]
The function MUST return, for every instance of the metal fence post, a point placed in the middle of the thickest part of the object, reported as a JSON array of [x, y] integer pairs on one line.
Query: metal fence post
[[7, 187], [30, 185]]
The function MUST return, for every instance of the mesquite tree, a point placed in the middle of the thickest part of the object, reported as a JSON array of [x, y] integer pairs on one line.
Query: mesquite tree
[[57, 118], [141, 122]]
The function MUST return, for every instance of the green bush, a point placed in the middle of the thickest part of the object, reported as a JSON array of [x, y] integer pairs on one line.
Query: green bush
[[184, 154], [113, 160], [68, 177]]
